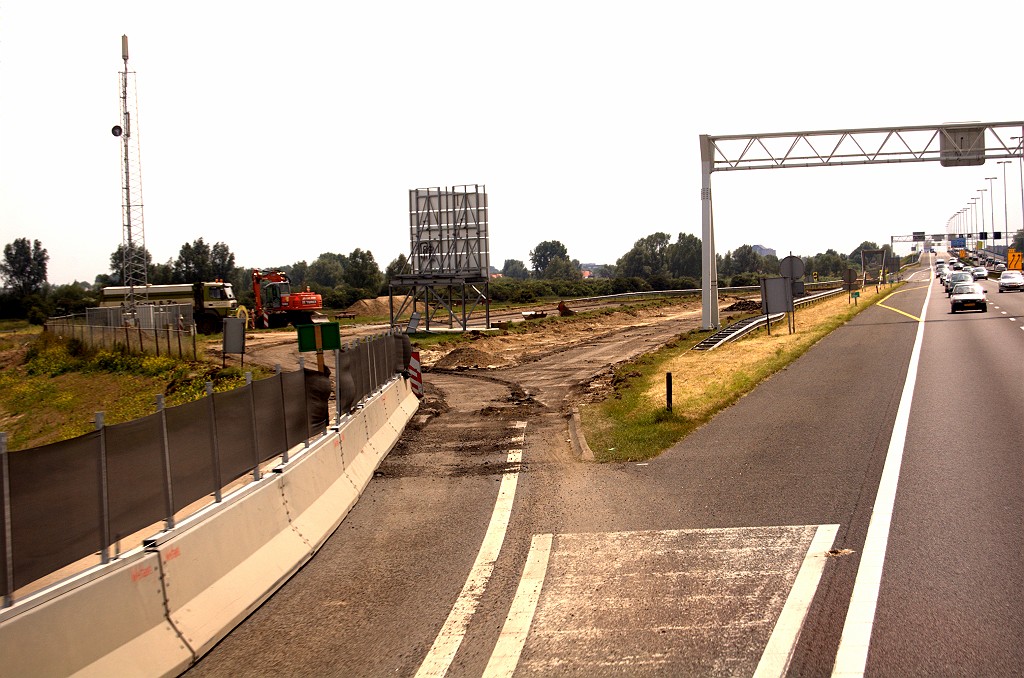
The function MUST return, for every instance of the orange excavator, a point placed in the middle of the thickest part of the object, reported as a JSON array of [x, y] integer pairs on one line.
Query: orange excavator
[[276, 303]]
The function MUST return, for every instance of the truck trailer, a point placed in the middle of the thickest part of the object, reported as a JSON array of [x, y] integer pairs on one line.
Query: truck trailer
[[211, 301]]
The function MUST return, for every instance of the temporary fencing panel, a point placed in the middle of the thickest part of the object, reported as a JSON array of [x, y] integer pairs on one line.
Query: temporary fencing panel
[[317, 394], [271, 434], [136, 475], [295, 408], [56, 506], [190, 442], [235, 433], [345, 385]]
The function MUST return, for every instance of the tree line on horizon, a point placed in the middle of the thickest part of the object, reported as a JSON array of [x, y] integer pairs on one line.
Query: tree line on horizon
[[653, 263]]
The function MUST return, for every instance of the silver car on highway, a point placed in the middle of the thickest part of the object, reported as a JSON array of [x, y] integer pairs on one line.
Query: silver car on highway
[[968, 296], [1011, 280]]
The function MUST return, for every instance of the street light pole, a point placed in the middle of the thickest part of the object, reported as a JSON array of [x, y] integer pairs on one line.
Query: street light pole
[[982, 201], [1006, 212], [1020, 162]]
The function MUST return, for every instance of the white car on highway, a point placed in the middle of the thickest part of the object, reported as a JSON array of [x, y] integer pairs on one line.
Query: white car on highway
[[1011, 280]]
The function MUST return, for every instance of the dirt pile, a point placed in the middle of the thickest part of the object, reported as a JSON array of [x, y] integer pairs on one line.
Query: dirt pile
[[378, 307], [466, 357], [744, 306]]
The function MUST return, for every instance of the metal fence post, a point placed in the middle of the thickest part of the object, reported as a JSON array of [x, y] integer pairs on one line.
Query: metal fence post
[[305, 400], [104, 496], [5, 510], [337, 386], [255, 436], [284, 414], [214, 444], [166, 451]]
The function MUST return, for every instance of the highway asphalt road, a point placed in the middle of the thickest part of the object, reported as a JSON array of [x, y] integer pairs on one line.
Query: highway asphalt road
[[794, 534]]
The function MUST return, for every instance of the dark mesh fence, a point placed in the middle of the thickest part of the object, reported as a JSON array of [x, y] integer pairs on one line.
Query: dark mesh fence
[[56, 511], [271, 436], [190, 441], [76, 498], [235, 433], [135, 475], [296, 408]]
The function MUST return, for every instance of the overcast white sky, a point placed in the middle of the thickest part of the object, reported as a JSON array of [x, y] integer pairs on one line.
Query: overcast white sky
[[290, 129]]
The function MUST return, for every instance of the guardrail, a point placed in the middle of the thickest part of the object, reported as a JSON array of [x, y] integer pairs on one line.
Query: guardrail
[[746, 326]]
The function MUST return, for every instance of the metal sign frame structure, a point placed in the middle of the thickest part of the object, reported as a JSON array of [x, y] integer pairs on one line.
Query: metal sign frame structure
[[952, 144], [449, 257]]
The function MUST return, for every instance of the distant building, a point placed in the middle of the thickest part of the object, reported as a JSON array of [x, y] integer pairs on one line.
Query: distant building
[[763, 251]]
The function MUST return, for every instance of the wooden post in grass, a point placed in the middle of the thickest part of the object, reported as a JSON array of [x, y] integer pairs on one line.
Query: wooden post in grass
[[668, 391]]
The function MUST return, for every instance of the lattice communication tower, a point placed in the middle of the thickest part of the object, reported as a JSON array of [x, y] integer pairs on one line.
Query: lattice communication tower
[[133, 240]]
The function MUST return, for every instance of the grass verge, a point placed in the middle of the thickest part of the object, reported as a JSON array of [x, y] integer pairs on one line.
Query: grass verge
[[51, 388], [634, 424]]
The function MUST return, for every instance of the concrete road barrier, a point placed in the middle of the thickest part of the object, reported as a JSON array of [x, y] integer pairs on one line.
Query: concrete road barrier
[[317, 493], [111, 625], [221, 569]]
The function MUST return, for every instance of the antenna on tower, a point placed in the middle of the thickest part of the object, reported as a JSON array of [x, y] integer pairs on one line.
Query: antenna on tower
[[133, 239]]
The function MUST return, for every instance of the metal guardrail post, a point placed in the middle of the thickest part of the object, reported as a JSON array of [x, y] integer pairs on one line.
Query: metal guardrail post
[[284, 414], [5, 510], [166, 453], [104, 496], [214, 444], [255, 436], [305, 400], [337, 386]]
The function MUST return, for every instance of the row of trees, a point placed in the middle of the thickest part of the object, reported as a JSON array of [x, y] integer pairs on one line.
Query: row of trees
[[654, 262]]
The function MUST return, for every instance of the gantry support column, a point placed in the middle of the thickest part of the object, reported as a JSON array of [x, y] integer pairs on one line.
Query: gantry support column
[[709, 261]]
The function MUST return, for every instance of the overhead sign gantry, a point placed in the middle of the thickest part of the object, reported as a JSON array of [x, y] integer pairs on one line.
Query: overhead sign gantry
[[952, 145]]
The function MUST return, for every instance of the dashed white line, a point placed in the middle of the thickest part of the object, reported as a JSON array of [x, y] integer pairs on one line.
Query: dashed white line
[[449, 638], [852, 657]]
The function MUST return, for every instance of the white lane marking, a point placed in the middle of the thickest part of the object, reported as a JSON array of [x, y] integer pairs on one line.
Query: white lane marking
[[517, 624], [779, 650], [852, 657], [449, 638], [1003, 312]]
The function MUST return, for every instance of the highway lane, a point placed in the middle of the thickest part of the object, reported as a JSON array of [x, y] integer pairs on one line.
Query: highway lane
[[683, 565], [952, 596]]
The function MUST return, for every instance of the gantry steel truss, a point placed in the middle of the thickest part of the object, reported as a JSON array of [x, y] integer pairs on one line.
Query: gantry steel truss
[[955, 144]]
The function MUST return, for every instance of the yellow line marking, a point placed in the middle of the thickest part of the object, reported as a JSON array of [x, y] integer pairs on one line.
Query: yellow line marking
[[912, 317]]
